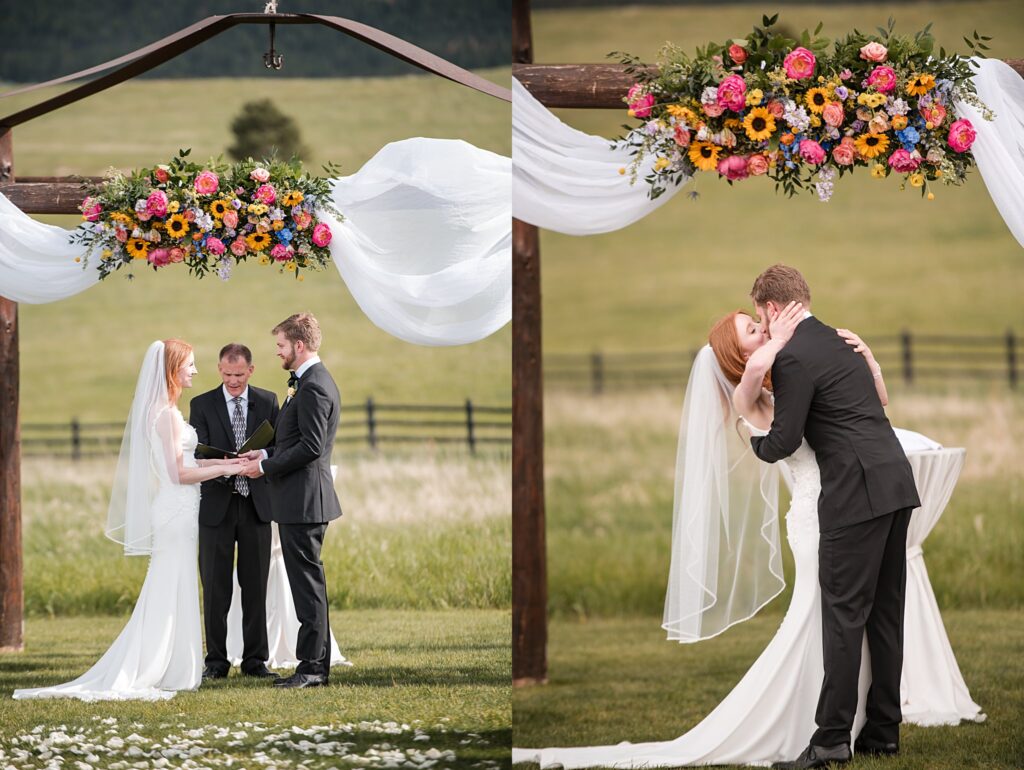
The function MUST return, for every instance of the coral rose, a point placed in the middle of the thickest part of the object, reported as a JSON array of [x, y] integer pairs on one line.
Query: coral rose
[[875, 52], [732, 93], [230, 218], [177, 254], [812, 152], [757, 165], [713, 110], [681, 135], [799, 64], [640, 103], [207, 183], [162, 173], [935, 114], [159, 257], [733, 168], [961, 135], [883, 79], [833, 114], [904, 161], [238, 246], [737, 53], [259, 175], [776, 108], [845, 152]]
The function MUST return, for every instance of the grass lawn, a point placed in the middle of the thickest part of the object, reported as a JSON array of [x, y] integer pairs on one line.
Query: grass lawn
[[617, 679], [445, 675]]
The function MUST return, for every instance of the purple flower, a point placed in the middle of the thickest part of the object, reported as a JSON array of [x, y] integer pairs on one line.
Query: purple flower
[[842, 92]]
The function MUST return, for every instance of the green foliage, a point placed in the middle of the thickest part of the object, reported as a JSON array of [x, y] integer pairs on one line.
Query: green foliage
[[262, 131]]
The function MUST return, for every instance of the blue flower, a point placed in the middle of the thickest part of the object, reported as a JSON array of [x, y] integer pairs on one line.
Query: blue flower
[[908, 136], [285, 235]]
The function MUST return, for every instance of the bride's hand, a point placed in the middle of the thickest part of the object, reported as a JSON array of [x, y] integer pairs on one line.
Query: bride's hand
[[859, 345], [782, 328]]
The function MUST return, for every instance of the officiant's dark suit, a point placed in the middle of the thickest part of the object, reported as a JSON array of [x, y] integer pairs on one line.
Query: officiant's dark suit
[[824, 391], [303, 499], [234, 511]]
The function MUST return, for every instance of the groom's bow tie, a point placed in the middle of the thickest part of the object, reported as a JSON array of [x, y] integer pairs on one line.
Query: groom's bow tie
[[293, 381]]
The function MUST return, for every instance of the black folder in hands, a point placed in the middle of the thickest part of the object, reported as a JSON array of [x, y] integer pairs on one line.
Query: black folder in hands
[[259, 439]]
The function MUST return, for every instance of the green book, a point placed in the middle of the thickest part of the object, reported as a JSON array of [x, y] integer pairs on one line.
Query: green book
[[259, 439]]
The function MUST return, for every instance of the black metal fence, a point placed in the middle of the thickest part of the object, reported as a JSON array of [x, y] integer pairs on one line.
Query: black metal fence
[[371, 424], [910, 358]]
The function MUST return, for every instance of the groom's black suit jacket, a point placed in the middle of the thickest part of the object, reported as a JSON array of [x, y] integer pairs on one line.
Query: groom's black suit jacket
[[825, 391], [209, 415], [299, 466]]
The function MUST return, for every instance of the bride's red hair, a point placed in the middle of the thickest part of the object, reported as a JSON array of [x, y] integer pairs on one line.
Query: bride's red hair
[[726, 346], [176, 353]]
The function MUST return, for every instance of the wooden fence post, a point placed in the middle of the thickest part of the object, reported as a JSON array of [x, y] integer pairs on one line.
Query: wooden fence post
[[908, 356], [1011, 357], [76, 439], [597, 373], [11, 580], [470, 433], [371, 423]]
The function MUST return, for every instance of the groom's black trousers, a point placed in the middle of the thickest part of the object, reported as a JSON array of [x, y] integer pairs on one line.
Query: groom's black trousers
[[863, 574], [216, 561], [301, 544]]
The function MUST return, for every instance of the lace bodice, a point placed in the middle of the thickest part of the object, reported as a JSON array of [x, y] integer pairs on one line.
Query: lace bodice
[[189, 441]]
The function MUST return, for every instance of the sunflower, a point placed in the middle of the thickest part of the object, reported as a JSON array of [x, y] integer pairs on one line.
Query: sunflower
[[292, 198], [816, 100], [124, 219], [759, 124], [138, 248], [679, 112], [219, 208], [177, 226], [920, 85], [258, 241], [872, 145], [704, 155]]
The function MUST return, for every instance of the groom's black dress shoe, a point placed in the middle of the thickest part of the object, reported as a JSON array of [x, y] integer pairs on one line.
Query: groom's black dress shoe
[[214, 673], [875, 748], [819, 756], [261, 672], [299, 681]]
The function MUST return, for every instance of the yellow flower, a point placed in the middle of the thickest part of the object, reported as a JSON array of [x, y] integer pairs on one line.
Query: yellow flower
[[931, 196], [290, 267], [257, 241], [815, 121], [78, 259], [871, 100], [872, 145], [704, 155], [754, 97], [733, 124], [301, 277], [878, 171], [264, 259], [759, 124], [816, 100], [177, 226], [106, 254], [124, 219], [173, 207], [138, 248], [278, 224], [661, 164], [920, 85], [220, 207], [917, 180], [292, 198], [259, 209], [622, 171], [899, 122]]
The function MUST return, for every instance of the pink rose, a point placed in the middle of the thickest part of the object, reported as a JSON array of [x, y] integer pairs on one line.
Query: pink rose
[[737, 53], [681, 135], [812, 152], [230, 218], [91, 210], [159, 257], [875, 52], [280, 253], [156, 203], [903, 161], [190, 215], [259, 175], [732, 93], [935, 114], [883, 79], [733, 168], [265, 193], [833, 114], [207, 183], [238, 246], [845, 152], [177, 254], [160, 172], [776, 108], [144, 215], [846, 74], [757, 165], [303, 219], [321, 234], [121, 234], [215, 246], [799, 64], [961, 135], [640, 103], [713, 110]]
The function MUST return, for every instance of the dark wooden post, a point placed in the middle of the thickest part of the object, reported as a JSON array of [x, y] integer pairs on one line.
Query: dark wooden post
[[11, 594], [371, 423], [908, 356], [529, 556], [1011, 357], [596, 373], [470, 429], [76, 439]]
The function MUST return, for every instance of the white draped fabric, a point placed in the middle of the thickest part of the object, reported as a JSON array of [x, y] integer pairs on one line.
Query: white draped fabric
[[933, 691], [568, 181], [425, 247]]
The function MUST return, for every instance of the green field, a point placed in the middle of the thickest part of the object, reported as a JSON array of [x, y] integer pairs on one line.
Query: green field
[[80, 356], [441, 678]]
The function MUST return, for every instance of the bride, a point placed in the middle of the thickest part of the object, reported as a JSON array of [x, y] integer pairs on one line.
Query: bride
[[726, 560], [154, 511]]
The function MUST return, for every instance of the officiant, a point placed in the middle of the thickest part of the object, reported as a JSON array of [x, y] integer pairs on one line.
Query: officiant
[[234, 510]]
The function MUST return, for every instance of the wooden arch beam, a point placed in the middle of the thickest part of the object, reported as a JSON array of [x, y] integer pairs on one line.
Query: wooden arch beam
[[146, 58]]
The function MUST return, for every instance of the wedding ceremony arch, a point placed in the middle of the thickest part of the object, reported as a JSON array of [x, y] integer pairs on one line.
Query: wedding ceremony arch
[[414, 307], [604, 86]]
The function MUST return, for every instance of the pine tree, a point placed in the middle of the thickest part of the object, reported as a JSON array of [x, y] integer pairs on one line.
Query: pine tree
[[261, 130]]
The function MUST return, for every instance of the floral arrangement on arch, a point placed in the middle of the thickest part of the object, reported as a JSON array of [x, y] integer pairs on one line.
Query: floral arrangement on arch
[[208, 217], [788, 109]]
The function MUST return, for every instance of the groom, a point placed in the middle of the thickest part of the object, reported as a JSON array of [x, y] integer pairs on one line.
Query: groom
[[824, 392], [298, 471]]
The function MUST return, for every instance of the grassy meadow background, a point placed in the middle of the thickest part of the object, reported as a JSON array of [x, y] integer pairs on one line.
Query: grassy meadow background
[[878, 260]]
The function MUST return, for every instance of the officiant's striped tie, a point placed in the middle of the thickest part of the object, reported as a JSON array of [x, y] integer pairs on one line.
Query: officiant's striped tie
[[238, 423]]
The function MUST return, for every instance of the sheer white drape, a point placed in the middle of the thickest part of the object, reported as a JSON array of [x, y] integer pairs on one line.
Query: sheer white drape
[[425, 248]]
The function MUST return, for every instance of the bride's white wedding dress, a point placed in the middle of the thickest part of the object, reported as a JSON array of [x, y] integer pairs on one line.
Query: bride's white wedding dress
[[769, 715], [160, 650]]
